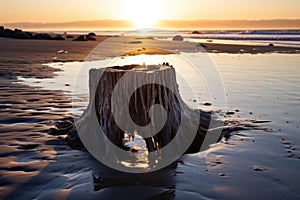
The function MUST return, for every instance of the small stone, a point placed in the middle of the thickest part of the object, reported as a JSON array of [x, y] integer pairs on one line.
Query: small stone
[[178, 38], [258, 169], [196, 32], [229, 113]]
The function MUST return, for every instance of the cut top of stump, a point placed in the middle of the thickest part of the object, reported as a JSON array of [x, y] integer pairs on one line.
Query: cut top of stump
[[139, 68]]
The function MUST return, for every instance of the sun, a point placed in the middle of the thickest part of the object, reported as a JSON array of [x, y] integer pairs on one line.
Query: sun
[[142, 13]]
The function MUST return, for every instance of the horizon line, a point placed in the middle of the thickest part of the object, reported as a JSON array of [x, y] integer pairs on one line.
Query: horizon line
[[90, 20]]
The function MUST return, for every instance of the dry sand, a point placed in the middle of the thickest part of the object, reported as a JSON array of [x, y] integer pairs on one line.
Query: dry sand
[[30, 157]]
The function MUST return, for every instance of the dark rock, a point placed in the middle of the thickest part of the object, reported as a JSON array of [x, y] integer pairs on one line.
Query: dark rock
[[21, 35], [80, 38], [29, 33], [42, 36], [196, 32], [4, 34], [271, 45], [8, 31], [18, 30], [229, 113], [92, 34], [59, 37], [178, 38], [88, 37], [17, 33], [69, 36]]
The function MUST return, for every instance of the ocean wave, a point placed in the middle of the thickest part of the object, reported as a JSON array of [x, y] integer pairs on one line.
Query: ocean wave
[[257, 38]]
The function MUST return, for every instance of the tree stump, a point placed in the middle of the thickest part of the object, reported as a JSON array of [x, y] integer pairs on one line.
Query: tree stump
[[126, 98], [139, 104]]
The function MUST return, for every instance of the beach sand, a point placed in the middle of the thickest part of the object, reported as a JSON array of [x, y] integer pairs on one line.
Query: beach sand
[[32, 158], [24, 57]]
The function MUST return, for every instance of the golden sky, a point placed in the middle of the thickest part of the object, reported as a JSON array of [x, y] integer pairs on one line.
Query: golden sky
[[145, 11]]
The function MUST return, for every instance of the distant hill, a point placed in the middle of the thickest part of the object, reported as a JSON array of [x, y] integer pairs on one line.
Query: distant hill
[[175, 24], [76, 25]]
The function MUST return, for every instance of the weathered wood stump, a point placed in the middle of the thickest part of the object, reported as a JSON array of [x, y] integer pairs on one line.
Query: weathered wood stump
[[125, 99], [140, 102]]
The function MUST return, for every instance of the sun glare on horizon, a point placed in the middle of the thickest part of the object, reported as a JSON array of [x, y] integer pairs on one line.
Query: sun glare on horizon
[[142, 13]]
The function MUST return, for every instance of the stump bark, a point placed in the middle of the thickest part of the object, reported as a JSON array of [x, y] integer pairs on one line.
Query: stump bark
[[140, 102]]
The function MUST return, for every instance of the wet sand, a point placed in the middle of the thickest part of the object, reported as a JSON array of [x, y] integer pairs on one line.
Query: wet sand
[[32, 158], [24, 57], [16, 52]]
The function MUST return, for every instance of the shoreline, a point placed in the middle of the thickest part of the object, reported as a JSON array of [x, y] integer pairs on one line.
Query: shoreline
[[251, 49], [25, 57]]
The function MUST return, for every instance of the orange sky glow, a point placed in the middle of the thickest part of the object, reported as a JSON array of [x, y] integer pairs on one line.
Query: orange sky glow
[[145, 12]]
